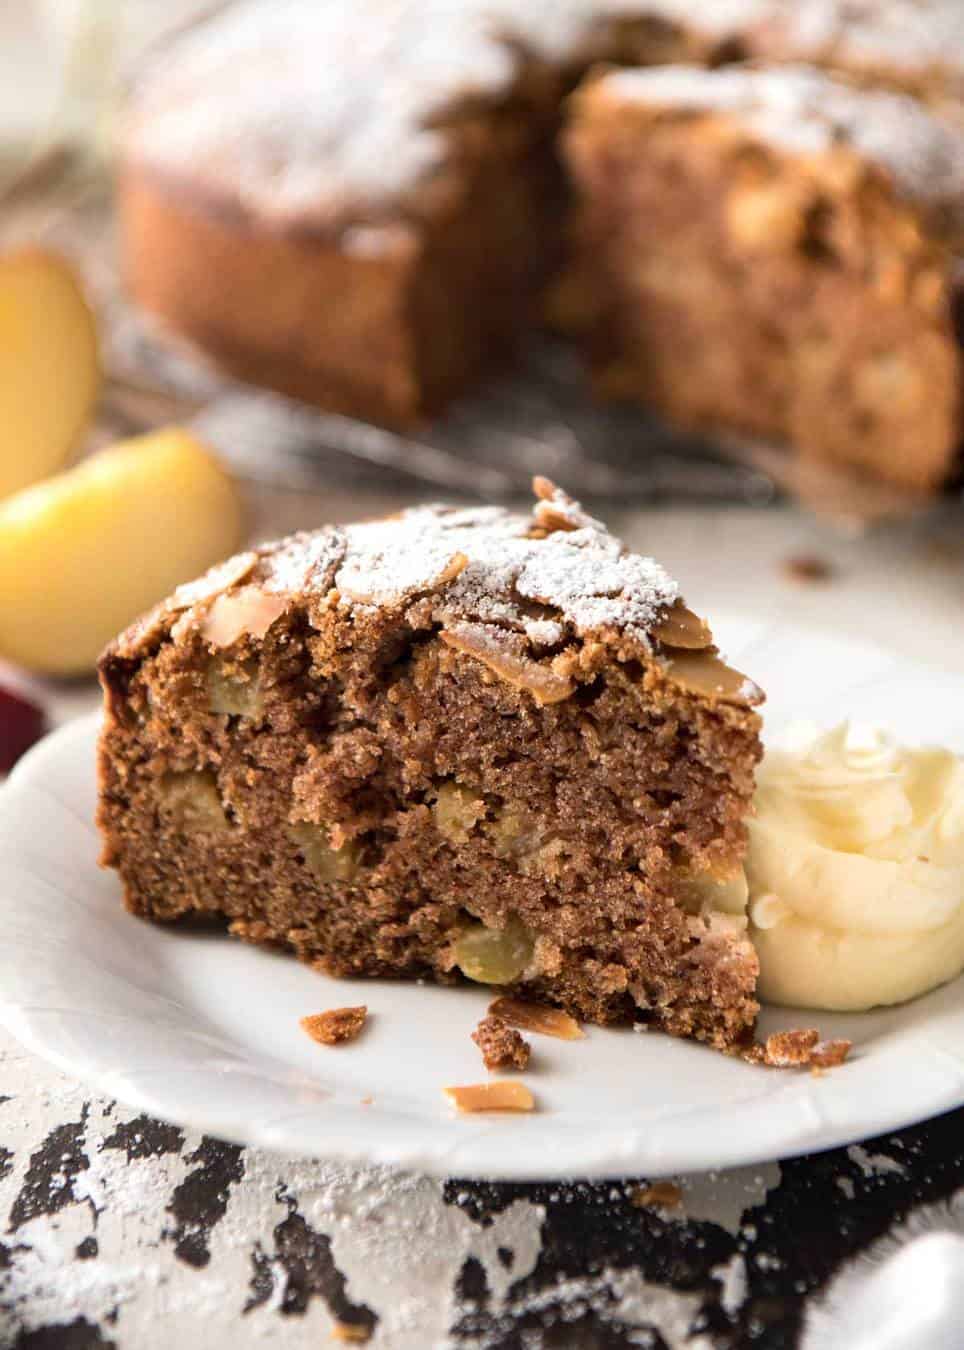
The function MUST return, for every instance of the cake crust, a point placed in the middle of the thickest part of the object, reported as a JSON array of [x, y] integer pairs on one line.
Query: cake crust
[[553, 803]]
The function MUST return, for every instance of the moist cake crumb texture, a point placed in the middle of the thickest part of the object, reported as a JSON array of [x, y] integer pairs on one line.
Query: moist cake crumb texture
[[774, 252], [502, 1046], [460, 743]]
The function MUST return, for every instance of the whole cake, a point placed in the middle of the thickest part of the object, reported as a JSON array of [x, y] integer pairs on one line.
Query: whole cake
[[776, 252], [368, 218], [453, 742]]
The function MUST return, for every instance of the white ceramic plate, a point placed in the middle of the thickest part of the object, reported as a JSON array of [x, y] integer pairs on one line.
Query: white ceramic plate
[[204, 1030]]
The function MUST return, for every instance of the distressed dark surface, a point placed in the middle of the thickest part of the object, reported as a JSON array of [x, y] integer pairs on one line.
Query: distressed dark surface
[[162, 1236]]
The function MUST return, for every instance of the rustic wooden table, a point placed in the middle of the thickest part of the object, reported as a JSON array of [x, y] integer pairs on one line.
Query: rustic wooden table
[[120, 1231]]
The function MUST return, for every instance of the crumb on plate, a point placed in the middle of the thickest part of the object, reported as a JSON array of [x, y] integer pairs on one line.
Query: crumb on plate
[[335, 1025], [502, 1046]]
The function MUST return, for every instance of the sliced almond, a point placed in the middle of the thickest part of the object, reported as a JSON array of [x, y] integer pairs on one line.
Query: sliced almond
[[556, 510], [544, 488], [537, 1017], [706, 675], [503, 653], [250, 612], [213, 582], [680, 627], [369, 595], [496, 1096], [353, 1333]]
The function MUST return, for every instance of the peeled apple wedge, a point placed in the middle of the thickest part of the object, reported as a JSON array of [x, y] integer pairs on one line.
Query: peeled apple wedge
[[49, 368], [83, 554]]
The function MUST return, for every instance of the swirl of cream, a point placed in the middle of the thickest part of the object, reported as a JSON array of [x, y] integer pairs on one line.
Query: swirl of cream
[[856, 870]]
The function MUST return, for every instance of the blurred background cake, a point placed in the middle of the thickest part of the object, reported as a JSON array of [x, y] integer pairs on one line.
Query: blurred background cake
[[368, 220], [312, 262]]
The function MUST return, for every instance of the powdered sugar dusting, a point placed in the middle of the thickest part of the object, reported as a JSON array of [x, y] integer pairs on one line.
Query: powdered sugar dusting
[[341, 98], [492, 566], [306, 560], [809, 113], [543, 632]]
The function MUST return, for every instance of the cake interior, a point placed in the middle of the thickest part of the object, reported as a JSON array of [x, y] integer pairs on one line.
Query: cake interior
[[729, 284], [381, 803]]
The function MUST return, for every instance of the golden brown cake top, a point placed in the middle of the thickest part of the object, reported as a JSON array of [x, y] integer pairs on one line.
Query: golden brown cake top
[[510, 590], [553, 574], [324, 112], [513, 591], [804, 112]]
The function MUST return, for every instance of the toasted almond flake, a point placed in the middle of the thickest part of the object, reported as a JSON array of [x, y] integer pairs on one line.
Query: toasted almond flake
[[496, 1096], [500, 651], [537, 1017], [659, 1194], [213, 582], [681, 628], [704, 674], [251, 611], [556, 510], [349, 590], [354, 1332], [335, 1025]]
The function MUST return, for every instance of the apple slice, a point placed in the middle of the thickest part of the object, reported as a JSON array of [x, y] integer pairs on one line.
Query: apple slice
[[82, 554], [21, 723], [49, 367]]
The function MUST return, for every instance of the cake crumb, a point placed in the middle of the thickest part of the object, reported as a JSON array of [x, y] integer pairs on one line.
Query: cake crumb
[[536, 1017], [335, 1025], [797, 1049], [829, 1054], [659, 1194], [808, 570], [790, 1049], [502, 1046], [497, 1096]]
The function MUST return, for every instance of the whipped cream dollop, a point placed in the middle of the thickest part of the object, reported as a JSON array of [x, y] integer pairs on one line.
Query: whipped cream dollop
[[856, 869]]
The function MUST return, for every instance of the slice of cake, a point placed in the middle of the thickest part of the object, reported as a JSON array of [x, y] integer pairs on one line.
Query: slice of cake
[[453, 741], [774, 252]]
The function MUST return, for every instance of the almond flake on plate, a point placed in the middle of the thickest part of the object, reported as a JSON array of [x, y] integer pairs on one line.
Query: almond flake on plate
[[537, 1017], [496, 1096]]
